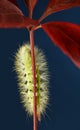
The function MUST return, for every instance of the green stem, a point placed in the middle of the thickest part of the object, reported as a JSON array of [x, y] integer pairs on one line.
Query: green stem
[[34, 79]]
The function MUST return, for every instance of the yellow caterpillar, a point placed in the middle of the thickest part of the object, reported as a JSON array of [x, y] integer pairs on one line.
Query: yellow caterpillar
[[23, 67]]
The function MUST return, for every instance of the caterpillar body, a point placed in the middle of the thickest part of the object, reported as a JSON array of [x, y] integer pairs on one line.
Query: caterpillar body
[[23, 67]]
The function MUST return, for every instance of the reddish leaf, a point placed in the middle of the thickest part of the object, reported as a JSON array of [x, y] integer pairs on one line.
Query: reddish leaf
[[12, 17], [58, 5], [30, 4], [8, 7], [14, 2], [67, 37]]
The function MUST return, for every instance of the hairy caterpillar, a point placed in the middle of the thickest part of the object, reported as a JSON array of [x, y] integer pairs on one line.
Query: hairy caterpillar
[[23, 67]]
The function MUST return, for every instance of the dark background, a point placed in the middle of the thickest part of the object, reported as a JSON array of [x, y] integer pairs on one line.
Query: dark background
[[64, 109]]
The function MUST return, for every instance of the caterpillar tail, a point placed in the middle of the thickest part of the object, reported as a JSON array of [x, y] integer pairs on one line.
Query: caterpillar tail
[[23, 68]]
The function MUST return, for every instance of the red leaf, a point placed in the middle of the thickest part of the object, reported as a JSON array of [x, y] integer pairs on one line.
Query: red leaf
[[12, 17], [14, 2], [58, 5], [30, 4], [67, 37]]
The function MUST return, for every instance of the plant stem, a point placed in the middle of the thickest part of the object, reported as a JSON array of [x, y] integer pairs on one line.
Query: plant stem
[[34, 79]]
